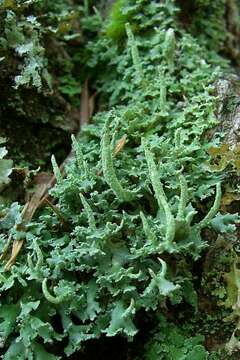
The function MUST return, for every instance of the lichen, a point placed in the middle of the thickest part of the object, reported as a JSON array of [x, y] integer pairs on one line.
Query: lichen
[[139, 218]]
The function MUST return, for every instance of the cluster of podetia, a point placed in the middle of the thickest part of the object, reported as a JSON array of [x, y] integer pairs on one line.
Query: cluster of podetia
[[130, 229]]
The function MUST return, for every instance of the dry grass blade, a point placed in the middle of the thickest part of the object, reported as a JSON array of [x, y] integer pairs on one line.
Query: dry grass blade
[[28, 212], [17, 245], [120, 144], [43, 182]]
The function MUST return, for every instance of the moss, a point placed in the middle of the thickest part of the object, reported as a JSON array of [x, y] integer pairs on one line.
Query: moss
[[115, 28]]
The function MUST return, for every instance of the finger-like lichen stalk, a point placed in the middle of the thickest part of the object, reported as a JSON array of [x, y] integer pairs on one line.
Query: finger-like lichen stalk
[[30, 262], [151, 237], [190, 216], [130, 310], [79, 155], [39, 254], [160, 195], [183, 198], [159, 280], [177, 138], [52, 299], [114, 135], [163, 96], [113, 141], [56, 169], [164, 267], [163, 271], [163, 91], [108, 168], [88, 209], [86, 8], [3, 279], [169, 47], [134, 50], [214, 209]]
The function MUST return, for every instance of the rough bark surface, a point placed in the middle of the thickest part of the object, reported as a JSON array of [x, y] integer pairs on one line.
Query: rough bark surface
[[228, 112]]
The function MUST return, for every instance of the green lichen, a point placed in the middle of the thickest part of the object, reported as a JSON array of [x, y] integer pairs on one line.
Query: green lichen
[[138, 220], [108, 167]]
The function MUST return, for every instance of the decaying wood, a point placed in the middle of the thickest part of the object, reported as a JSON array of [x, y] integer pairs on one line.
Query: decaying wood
[[228, 111], [233, 27]]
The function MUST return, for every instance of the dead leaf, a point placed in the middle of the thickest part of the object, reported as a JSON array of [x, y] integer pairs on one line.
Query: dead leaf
[[120, 144]]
